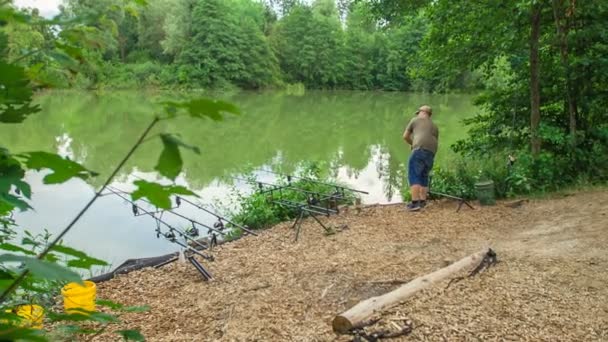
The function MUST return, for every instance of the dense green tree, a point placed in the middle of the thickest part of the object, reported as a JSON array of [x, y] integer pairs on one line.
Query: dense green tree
[[151, 28], [178, 26], [225, 43], [309, 45], [359, 49]]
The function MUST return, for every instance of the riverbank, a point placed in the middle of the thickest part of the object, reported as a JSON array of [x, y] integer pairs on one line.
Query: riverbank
[[548, 285]]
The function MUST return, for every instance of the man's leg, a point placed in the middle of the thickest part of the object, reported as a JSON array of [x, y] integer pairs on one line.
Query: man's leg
[[424, 188], [416, 192], [414, 168]]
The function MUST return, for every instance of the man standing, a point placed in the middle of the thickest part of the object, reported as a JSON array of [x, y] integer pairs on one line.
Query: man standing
[[423, 135]]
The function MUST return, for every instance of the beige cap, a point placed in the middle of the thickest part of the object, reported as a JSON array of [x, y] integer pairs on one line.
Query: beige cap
[[425, 108]]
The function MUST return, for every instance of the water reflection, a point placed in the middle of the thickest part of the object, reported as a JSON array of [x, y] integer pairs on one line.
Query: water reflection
[[353, 136]]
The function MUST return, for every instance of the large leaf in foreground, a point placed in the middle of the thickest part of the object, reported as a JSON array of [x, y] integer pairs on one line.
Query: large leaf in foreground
[[12, 184], [62, 169], [14, 333], [202, 107], [157, 194], [170, 161], [42, 269], [15, 94], [80, 315], [83, 260]]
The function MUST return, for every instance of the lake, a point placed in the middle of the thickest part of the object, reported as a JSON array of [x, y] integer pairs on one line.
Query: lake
[[354, 136]]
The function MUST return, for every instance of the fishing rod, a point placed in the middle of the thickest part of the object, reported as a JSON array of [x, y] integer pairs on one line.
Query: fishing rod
[[313, 198], [289, 177], [219, 224], [114, 190], [244, 228], [170, 235], [278, 187]]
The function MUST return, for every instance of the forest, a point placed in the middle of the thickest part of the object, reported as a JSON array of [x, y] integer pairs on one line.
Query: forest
[[247, 44]]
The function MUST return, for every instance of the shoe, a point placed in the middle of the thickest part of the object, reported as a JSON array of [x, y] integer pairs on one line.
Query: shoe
[[422, 204], [413, 206]]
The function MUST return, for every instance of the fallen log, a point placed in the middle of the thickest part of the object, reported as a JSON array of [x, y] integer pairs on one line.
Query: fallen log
[[357, 315]]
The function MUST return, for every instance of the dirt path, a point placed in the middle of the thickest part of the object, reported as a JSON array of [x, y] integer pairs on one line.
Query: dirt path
[[550, 284]]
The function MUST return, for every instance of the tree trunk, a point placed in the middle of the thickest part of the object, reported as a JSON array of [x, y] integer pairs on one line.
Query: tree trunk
[[535, 79], [562, 36], [358, 314]]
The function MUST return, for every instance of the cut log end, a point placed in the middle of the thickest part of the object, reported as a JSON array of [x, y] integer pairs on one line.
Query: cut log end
[[341, 324]]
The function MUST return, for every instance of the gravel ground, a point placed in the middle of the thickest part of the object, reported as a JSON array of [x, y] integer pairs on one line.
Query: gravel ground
[[550, 283]]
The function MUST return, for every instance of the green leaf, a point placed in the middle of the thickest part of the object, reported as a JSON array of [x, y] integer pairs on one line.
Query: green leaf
[[63, 58], [51, 257], [110, 304], [142, 308], [170, 161], [75, 329], [86, 264], [131, 335], [29, 241], [6, 275], [63, 169], [83, 317], [5, 283], [16, 94], [43, 269], [14, 333], [17, 114], [159, 195], [15, 85], [199, 108], [14, 248], [117, 306], [84, 259], [71, 51], [14, 202], [8, 13]]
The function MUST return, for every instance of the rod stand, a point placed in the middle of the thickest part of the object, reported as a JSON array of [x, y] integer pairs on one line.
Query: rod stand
[[298, 222], [206, 275], [461, 201]]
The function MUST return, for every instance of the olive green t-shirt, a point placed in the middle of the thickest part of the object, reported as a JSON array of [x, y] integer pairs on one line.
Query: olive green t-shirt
[[425, 134]]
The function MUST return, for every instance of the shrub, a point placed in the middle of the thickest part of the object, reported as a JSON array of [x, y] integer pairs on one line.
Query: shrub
[[260, 210]]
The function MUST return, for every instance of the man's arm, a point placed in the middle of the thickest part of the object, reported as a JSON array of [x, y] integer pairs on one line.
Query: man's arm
[[407, 134]]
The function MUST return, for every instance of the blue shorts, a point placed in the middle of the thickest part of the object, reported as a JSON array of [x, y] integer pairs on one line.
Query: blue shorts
[[419, 167]]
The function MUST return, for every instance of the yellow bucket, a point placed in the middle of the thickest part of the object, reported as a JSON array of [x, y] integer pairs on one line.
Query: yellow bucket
[[32, 316], [76, 296]]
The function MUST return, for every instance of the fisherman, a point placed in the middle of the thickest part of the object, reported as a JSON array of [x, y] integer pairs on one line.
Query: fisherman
[[423, 135]]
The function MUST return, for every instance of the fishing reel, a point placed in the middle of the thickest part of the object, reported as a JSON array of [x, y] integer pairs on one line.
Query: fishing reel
[[192, 231], [334, 200], [313, 199], [170, 235], [219, 225]]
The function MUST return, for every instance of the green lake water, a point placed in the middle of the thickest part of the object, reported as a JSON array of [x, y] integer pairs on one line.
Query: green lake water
[[355, 136]]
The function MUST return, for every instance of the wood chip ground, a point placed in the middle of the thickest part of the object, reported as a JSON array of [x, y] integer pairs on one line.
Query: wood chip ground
[[551, 283]]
